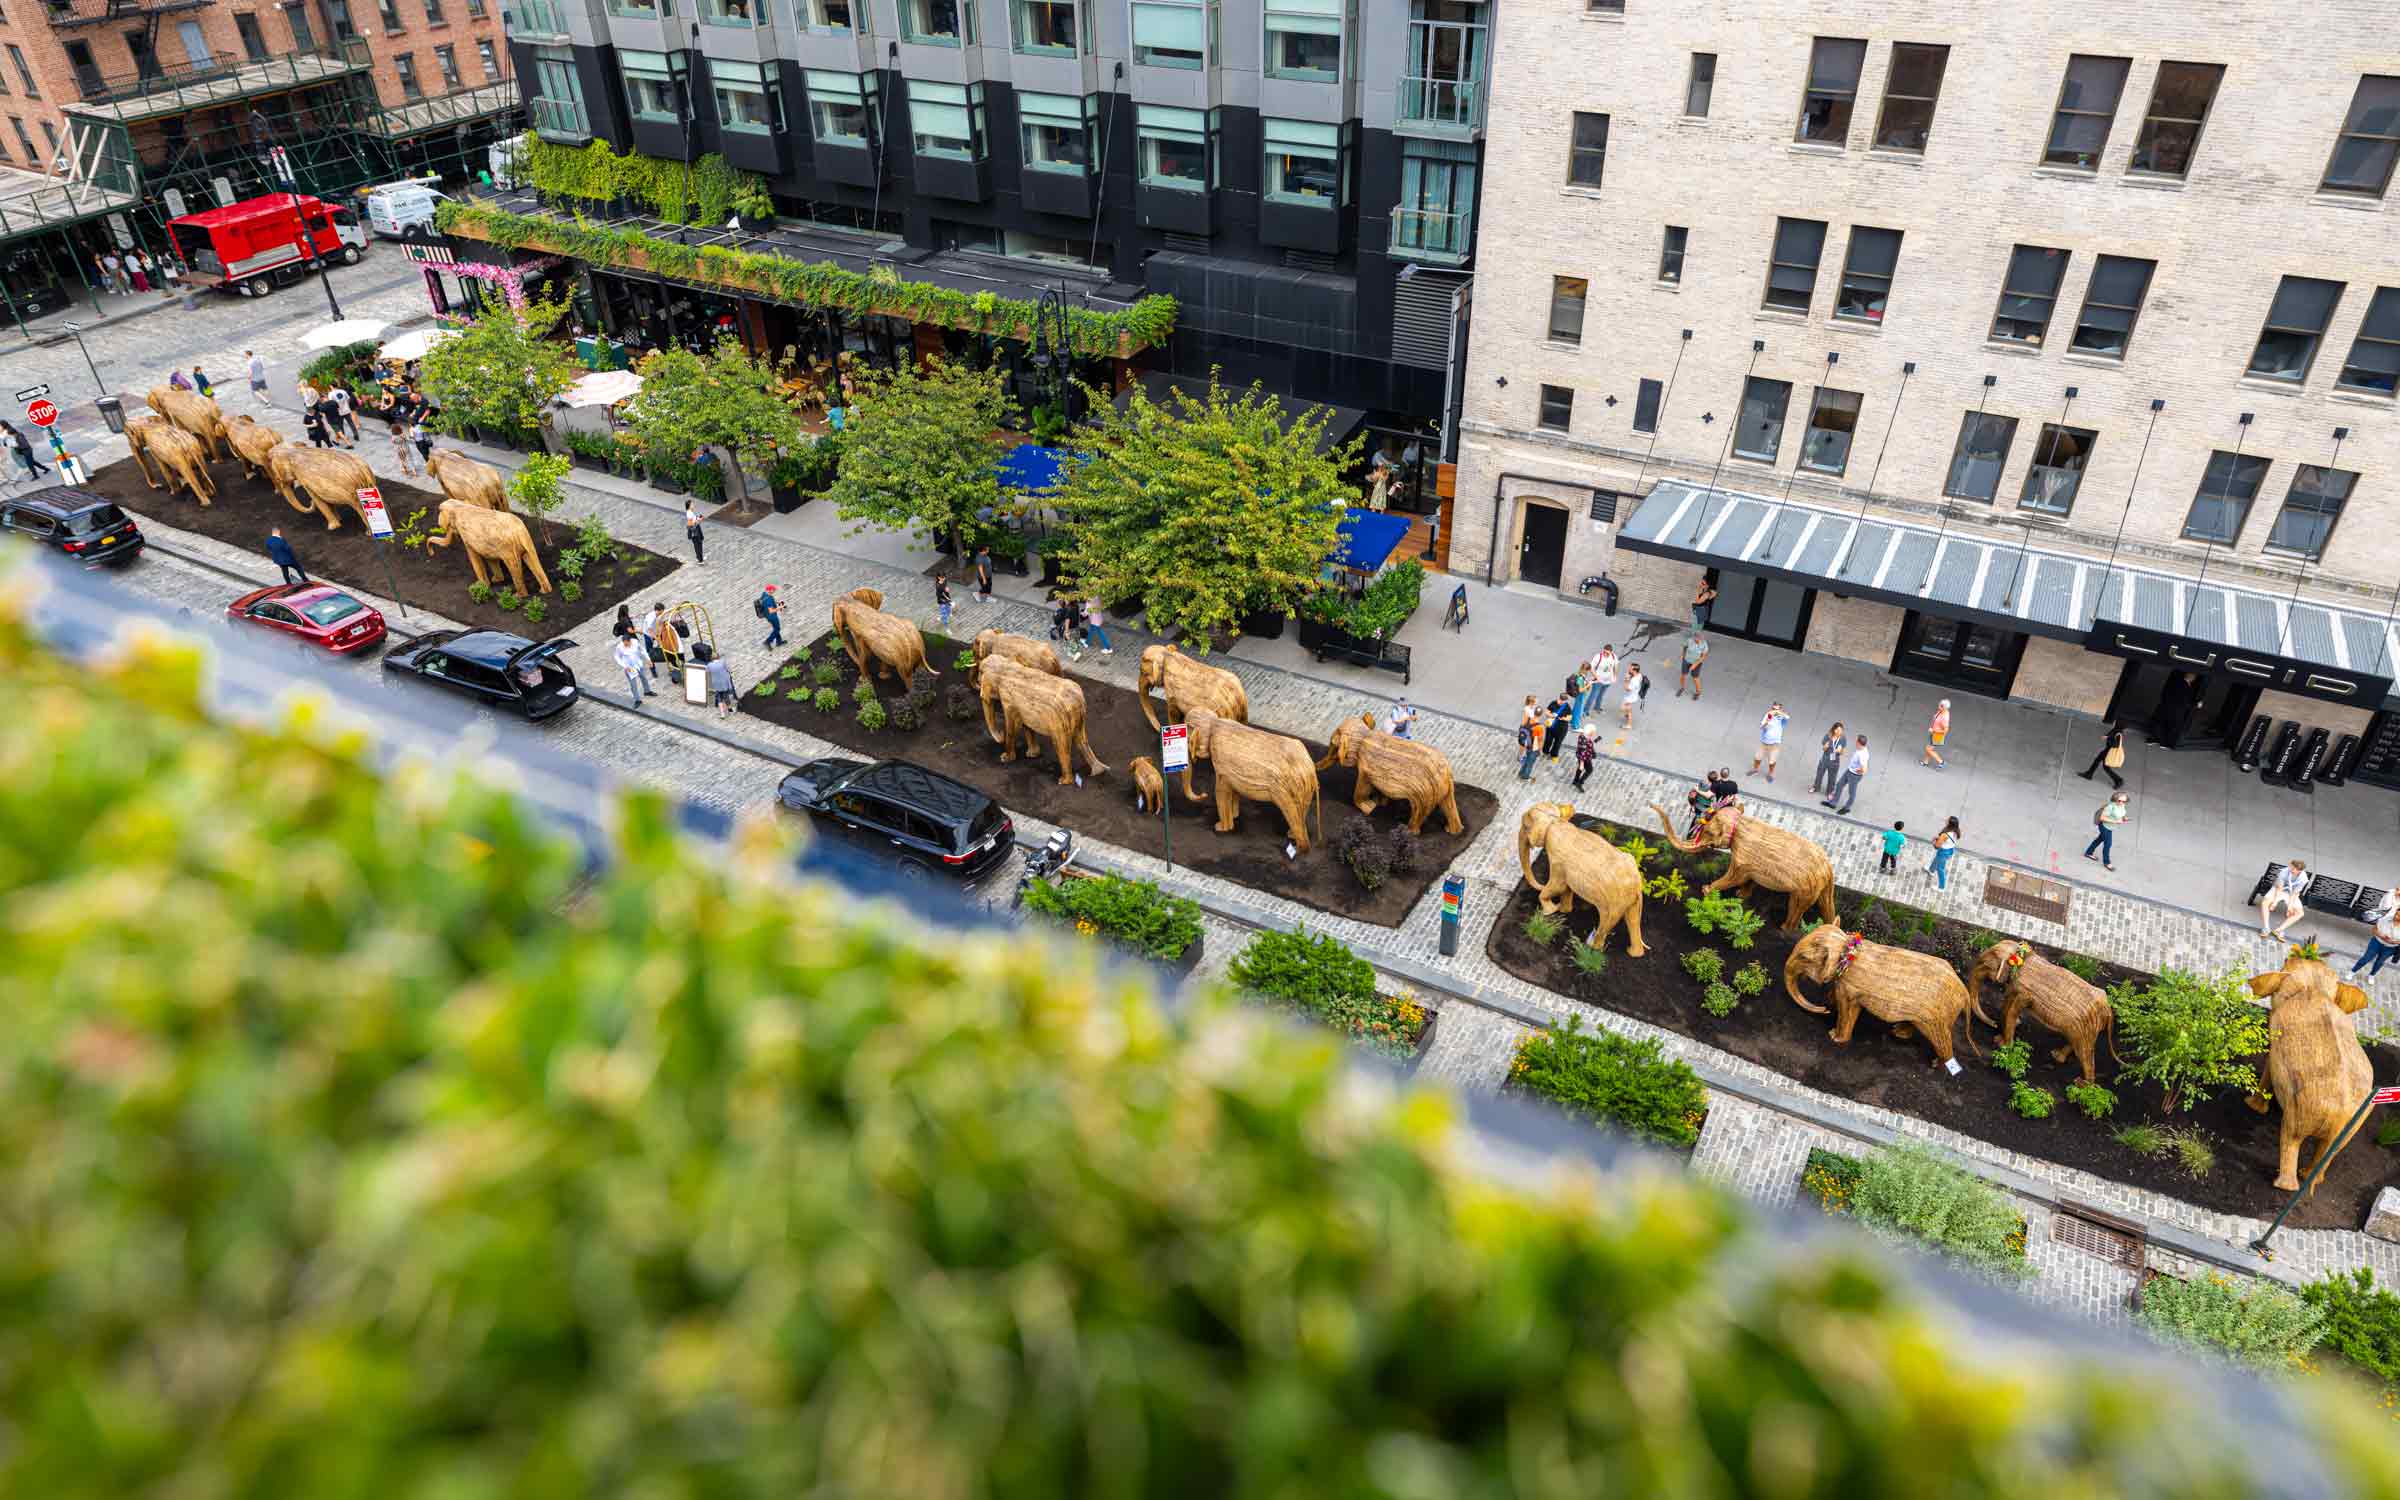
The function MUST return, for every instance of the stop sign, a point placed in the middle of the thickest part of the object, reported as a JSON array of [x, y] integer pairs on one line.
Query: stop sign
[[41, 413]]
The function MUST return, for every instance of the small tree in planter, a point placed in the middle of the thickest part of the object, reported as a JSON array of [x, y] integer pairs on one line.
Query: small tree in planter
[[919, 450], [503, 369], [538, 488], [724, 399], [2190, 1035]]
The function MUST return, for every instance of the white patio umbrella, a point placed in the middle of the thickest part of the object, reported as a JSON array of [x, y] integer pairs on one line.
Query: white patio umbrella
[[414, 345], [602, 388], [347, 331]]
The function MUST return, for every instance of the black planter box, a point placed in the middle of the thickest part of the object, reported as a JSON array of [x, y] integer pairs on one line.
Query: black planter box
[[666, 482], [1051, 578], [787, 497], [1329, 642], [1267, 624]]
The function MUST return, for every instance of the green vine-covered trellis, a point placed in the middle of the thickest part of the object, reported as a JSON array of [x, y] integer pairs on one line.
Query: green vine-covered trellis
[[705, 192], [811, 283]]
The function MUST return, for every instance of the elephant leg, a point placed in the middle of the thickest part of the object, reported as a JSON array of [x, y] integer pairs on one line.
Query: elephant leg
[[1066, 756], [1795, 909], [1721, 882], [1229, 805], [2058, 1054], [1188, 794], [1558, 892], [1903, 1030], [475, 561], [1450, 811], [1363, 795], [1295, 818], [333, 517], [533, 564], [2287, 1175], [516, 574], [2085, 1046], [1845, 1016], [2325, 1158], [141, 456], [1092, 761], [1633, 927], [2008, 1020]]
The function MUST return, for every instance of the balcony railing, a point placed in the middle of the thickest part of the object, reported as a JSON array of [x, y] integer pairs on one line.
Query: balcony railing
[[65, 15], [456, 107], [1441, 103], [1431, 234], [176, 88], [560, 119]]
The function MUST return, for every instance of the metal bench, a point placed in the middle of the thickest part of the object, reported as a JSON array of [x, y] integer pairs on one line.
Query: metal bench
[[2334, 898]]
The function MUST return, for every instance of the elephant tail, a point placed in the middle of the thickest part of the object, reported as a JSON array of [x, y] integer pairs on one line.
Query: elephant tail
[[1316, 807], [1973, 1045], [2111, 1030]]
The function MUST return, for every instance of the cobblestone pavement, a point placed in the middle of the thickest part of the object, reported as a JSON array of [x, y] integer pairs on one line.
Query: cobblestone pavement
[[1756, 1149]]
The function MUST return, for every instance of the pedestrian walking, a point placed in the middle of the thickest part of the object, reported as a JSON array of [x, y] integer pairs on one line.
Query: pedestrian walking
[[107, 265], [633, 660], [1830, 751], [1893, 842], [312, 422], [983, 575], [202, 384], [422, 437], [720, 685], [281, 553], [1095, 625], [402, 453], [1695, 656], [2383, 935], [623, 629], [2289, 885], [670, 644], [1062, 618], [1529, 745], [1399, 719], [770, 609], [649, 630], [1770, 738], [1945, 844], [1602, 670], [256, 369], [1704, 601], [1935, 733], [2109, 758], [1579, 692], [941, 601], [137, 271], [1587, 753], [2113, 814], [23, 451], [345, 412], [691, 532], [1555, 720], [1637, 688], [1854, 771], [179, 380]]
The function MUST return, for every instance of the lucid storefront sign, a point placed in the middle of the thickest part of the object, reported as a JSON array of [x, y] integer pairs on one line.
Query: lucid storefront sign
[[2180, 652]]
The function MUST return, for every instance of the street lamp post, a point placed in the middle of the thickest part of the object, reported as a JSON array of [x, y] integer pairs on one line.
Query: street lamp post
[[282, 162]]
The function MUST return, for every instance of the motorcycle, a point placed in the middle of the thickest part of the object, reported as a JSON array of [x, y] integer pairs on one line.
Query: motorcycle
[[1050, 858]]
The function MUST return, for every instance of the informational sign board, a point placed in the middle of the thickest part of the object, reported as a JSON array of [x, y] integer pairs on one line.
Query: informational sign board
[[2387, 1096], [1174, 747], [41, 412], [33, 393], [370, 505]]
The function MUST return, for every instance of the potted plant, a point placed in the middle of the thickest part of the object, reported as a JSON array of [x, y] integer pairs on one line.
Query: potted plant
[[1009, 548]]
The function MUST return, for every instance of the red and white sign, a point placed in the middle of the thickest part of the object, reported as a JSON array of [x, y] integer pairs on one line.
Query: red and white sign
[[1174, 746], [370, 505], [2387, 1096], [41, 412]]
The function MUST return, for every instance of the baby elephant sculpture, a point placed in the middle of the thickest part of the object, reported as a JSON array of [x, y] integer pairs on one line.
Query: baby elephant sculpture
[[2315, 1067], [1038, 707], [2076, 1010], [181, 461], [1149, 788], [892, 643], [1913, 991], [1418, 775], [1581, 863], [1257, 764], [1762, 854], [331, 481], [993, 644], [1189, 685], [466, 481], [251, 442], [196, 414], [493, 537]]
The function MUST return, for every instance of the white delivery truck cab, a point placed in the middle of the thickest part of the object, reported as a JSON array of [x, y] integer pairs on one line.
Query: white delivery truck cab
[[395, 207]]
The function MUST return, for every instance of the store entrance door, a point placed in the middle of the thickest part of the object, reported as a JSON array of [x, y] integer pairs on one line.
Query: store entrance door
[[2182, 710], [1766, 610], [1543, 553], [1972, 658]]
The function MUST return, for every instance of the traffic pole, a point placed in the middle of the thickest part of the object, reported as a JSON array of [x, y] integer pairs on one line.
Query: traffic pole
[[2324, 1159]]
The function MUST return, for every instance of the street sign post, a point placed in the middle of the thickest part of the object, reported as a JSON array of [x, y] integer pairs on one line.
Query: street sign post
[[41, 412], [1174, 754], [33, 393], [2390, 1095], [379, 526], [1454, 891]]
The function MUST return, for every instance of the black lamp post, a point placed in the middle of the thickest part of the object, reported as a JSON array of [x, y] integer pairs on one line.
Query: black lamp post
[[1053, 374]]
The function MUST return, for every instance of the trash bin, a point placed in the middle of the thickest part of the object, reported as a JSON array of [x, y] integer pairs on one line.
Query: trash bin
[[112, 411]]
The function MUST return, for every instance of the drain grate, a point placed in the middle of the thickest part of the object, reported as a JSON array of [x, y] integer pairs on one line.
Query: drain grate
[[2111, 1239]]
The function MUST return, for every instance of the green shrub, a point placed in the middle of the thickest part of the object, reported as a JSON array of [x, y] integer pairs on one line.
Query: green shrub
[[1368, 854], [2190, 1035], [1640, 850], [1909, 1189], [2014, 1059], [825, 700], [1667, 887], [2389, 1135], [1721, 911], [1704, 964], [905, 715], [1980, 939], [2144, 1140], [1752, 979], [480, 592], [1719, 1000], [965, 661], [2031, 1102], [1601, 1076], [827, 674], [1319, 978], [2250, 1322], [2362, 1322], [536, 611], [800, 695], [788, 671], [1542, 929], [1134, 912], [568, 564], [1830, 1178], [508, 599], [872, 714], [767, 690], [2095, 1100], [571, 591], [2082, 965], [2194, 1151], [1590, 965], [862, 692]]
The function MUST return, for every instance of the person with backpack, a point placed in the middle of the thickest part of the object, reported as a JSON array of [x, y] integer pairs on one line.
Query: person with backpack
[[1529, 742], [769, 609], [202, 384], [1555, 721], [1587, 752], [1637, 688], [941, 599]]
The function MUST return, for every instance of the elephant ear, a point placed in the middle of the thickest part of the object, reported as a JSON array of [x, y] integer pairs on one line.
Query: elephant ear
[[2266, 984], [2350, 998]]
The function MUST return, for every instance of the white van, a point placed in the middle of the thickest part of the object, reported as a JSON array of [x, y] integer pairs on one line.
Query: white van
[[396, 207]]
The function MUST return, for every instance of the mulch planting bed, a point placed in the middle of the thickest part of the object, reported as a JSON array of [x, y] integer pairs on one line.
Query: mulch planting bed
[[1103, 808], [432, 579], [1877, 1068]]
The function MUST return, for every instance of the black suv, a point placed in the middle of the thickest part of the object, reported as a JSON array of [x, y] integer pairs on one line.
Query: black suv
[[492, 667], [85, 527], [920, 819]]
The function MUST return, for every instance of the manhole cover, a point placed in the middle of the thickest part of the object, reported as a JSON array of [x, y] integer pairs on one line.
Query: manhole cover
[[2034, 895], [2117, 1246]]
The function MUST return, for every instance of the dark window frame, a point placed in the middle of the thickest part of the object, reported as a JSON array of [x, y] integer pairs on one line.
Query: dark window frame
[[2288, 329], [2154, 124], [1649, 396], [1886, 126], [2221, 494], [1974, 423], [1700, 85], [2389, 149], [2380, 328], [1765, 385], [1571, 294], [1776, 262], [1561, 397], [1825, 96], [2132, 311], [1817, 407], [1866, 281], [2319, 506], [1583, 156], [2064, 114], [2010, 287], [2049, 440], [1673, 247]]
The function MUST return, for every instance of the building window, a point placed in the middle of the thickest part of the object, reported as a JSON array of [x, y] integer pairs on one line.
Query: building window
[[1169, 35], [946, 119], [1444, 83], [839, 107], [489, 58], [1833, 68], [1172, 147], [1566, 308], [302, 38], [1604, 7], [2087, 106], [32, 153], [2374, 362], [390, 11], [747, 100], [2179, 104], [2029, 295], [2111, 304], [1436, 214], [556, 104], [2222, 506], [1047, 26], [1758, 431], [2309, 511], [406, 66], [50, 134], [942, 23], [433, 13], [475, 9], [1304, 162], [649, 86], [1909, 95], [1670, 253], [2059, 456], [647, 10], [1982, 450], [1867, 274], [1703, 84], [1832, 424], [24, 73], [1645, 406], [732, 12], [446, 58], [254, 41], [826, 15], [1558, 408], [2296, 321], [1792, 272], [1055, 139], [1304, 40], [2369, 142], [1587, 154]]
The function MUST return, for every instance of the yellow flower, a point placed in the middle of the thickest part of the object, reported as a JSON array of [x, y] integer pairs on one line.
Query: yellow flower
[[1084, 926]]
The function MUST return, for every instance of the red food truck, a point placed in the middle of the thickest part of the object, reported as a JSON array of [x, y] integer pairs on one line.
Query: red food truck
[[255, 246]]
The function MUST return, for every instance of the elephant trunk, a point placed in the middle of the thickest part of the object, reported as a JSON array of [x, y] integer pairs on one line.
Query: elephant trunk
[[1682, 846], [1795, 969]]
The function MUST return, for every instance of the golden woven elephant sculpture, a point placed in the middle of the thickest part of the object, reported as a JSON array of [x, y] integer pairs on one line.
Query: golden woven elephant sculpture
[[251, 442], [181, 462], [879, 642], [1149, 788], [1577, 862], [2315, 1068], [871, 598], [1403, 770], [995, 643], [1255, 764], [1189, 685], [330, 481], [465, 480], [1760, 854], [1914, 991], [491, 537], [2074, 1008], [1036, 706], [196, 414]]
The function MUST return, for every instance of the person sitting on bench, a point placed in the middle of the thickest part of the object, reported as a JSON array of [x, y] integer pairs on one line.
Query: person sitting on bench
[[2290, 885]]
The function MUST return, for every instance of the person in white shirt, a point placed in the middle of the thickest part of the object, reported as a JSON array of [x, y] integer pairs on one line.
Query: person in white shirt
[[1399, 718], [635, 662], [1854, 770], [257, 369], [1770, 738], [2384, 938], [2290, 884], [1603, 671]]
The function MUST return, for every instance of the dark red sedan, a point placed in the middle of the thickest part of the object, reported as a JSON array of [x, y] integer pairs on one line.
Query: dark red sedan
[[314, 614]]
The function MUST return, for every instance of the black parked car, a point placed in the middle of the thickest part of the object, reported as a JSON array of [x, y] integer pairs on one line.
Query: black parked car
[[922, 820], [492, 667], [81, 525]]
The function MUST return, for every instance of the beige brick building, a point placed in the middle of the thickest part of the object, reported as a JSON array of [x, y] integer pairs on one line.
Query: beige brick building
[[1997, 330]]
